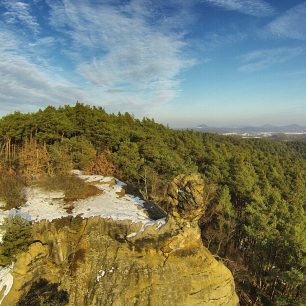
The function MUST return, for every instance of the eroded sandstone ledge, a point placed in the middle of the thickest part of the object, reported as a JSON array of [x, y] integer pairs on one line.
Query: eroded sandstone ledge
[[98, 262]]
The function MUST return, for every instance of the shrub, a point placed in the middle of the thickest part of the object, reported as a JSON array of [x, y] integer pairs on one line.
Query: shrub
[[102, 165], [17, 238], [60, 159], [12, 191], [33, 159], [128, 159], [76, 223], [81, 150], [73, 187]]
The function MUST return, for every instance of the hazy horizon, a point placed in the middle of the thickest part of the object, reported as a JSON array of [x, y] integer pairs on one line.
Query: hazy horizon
[[183, 63]]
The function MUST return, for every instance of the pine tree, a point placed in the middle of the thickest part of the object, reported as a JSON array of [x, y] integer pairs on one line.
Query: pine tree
[[16, 239]]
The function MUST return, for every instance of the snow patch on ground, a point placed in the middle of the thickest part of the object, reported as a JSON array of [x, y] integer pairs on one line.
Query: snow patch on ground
[[44, 205], [6, 281], [50, 205], [110, 205]]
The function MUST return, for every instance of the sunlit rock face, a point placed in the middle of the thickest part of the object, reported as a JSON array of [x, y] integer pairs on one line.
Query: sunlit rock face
[[96, 264], [185, 198], [103, 261]]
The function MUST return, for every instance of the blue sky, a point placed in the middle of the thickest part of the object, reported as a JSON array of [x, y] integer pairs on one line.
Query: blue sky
[[183, 62]]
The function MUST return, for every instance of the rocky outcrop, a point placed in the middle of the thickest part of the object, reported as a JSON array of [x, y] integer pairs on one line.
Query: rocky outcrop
[[185, 198], [100, 261]]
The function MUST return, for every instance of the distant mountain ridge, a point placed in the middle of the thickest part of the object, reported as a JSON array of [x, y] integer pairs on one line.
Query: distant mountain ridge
[[264, 129]]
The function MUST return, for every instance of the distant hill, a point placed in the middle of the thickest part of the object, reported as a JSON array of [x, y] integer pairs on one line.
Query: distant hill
[[267, 129]]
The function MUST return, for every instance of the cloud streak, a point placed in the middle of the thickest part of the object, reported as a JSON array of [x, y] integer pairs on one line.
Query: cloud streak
[[27, 85], [135, 53], [19, 12], [262, 59], [257, 8], [120, 54], [291, 24]]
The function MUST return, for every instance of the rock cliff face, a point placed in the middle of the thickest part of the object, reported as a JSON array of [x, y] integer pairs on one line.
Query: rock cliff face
[[99, 261]]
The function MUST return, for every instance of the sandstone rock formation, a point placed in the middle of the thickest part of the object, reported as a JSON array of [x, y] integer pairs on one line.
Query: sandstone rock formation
[[106, 262], [185, 197]]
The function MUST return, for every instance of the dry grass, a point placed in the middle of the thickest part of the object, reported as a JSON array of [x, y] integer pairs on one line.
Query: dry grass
[[103, 165], [73, 187]]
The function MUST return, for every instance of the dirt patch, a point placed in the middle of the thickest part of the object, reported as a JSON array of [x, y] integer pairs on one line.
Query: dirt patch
[[121, 193], [73, 187], [111, 182]]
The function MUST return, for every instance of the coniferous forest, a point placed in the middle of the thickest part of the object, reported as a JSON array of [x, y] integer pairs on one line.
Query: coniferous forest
[[254, 220]]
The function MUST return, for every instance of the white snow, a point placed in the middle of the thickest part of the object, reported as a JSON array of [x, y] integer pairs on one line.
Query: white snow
[[110, 205], [100, 275], [131, 235], [50, 205], [6, 281], [44, 205], [40, 205], [161, 222]]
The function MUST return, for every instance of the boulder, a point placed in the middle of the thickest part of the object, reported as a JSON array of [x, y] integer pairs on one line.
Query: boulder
[[185, 197]]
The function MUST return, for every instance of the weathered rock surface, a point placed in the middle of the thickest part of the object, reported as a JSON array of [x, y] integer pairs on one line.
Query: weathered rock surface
[[106, 262], [95, 262], [185, 197]]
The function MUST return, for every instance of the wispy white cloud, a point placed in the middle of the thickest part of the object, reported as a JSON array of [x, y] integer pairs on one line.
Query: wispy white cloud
[[291, 24], [262, 59], [258, 8], [25, 85], [125, 55], [123, 47], [19, 12], [212, 40]]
